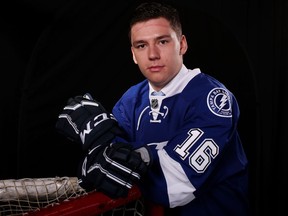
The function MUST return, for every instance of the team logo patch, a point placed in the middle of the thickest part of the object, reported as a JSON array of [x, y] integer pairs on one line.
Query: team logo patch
[[219, 102]]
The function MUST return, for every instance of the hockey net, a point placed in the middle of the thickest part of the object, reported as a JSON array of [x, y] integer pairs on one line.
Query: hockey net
[[60, 196]]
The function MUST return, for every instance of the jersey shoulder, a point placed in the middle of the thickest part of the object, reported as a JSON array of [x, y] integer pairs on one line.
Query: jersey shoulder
[[208, 92], [202, 83]]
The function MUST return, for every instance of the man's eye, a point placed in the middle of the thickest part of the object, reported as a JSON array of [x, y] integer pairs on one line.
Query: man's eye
[[163, 41], [140, 46]]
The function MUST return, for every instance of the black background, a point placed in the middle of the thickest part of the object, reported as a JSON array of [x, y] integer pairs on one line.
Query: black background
[[52, 50]]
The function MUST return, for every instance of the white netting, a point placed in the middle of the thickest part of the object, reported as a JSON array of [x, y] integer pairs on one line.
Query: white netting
[[21, 196]]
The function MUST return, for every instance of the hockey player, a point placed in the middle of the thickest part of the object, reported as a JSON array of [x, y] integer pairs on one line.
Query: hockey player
[[182, 122]]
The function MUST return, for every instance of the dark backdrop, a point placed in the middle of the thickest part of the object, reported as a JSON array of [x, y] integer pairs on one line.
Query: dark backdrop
[[51, 50]]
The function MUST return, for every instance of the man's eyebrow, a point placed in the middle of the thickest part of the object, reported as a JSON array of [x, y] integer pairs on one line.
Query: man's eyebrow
[[163, 37], [155, 39]]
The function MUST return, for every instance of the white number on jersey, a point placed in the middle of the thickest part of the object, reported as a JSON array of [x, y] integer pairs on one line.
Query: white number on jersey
[[202, 156]]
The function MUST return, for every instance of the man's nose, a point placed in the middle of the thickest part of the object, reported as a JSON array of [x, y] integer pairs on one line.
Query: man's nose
[[153, 52]]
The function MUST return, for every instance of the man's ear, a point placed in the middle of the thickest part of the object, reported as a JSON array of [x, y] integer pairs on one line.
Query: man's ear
[[183, 45], [134, 59]]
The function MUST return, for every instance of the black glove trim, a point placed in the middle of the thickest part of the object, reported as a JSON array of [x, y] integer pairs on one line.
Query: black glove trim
[[86, 121], [120, 166], [68, 118], [112, 169], [113, 163], [107, 173]]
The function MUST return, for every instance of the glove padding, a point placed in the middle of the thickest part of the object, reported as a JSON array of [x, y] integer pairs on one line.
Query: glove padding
[[112, 169], [86, 121]]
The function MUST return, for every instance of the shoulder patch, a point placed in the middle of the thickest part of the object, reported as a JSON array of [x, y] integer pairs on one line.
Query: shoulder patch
[[219, 102]]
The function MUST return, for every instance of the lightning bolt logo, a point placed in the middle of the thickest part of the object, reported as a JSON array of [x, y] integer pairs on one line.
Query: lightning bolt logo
[[219, 102], [223, 101]]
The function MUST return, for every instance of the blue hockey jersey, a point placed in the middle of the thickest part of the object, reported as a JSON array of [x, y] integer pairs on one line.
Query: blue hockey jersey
[[198, 166]]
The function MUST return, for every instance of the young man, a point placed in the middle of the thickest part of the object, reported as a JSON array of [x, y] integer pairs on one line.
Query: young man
[[182, 122]]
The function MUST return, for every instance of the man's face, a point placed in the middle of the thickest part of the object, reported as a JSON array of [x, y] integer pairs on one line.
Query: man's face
[[157, 50]]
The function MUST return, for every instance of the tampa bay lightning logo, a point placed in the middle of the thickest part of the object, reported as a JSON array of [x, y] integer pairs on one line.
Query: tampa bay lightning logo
[[219, 102]]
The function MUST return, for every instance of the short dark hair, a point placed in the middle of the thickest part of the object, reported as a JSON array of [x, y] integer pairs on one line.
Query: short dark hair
[[152, 10]]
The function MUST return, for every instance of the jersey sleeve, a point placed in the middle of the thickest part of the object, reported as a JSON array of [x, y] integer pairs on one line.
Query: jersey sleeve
[[203, 150]]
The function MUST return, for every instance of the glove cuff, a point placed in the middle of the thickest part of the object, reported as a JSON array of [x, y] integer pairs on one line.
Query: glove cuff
[[145, 155]]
